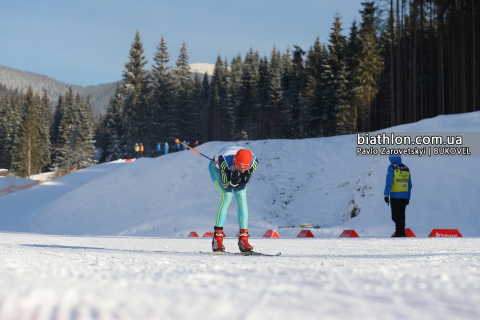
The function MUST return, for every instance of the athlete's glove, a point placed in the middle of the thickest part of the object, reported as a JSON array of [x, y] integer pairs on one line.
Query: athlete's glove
[[235, 178], [245, 176], [387, 200]]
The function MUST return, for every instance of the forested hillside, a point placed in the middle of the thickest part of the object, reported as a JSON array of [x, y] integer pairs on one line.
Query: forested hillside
[[20, 80]]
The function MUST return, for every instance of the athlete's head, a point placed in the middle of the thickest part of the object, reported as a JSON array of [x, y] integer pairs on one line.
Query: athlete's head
[[242, 160]]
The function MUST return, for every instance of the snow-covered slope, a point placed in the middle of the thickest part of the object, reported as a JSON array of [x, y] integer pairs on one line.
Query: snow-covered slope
[[316, 181]]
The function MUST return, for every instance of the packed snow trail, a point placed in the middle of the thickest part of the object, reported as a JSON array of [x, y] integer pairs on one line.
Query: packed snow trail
[[63, 277]]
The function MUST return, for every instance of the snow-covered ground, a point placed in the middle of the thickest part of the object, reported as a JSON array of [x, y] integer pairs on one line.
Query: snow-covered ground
[[109, 241], [63, 277]]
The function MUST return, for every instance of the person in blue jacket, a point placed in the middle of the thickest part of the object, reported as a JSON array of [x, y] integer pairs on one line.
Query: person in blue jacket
[[159, 148], [177, 146], [166, 148], [185, 144], [397, 191]]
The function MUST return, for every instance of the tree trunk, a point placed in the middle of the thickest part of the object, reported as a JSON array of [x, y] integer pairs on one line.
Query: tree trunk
[[29, 156], [392, 68], [473, 56]]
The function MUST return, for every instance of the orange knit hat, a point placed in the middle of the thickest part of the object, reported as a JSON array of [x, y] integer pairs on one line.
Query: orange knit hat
[[243, 158]]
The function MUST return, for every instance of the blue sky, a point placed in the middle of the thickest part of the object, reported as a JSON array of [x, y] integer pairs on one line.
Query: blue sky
[[87, 42]]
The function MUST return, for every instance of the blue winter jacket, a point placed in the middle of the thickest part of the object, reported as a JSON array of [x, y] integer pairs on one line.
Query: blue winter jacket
[[159, 147], [390, 174], [166, 149]]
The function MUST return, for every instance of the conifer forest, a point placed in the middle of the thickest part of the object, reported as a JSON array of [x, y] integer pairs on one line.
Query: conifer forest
[[403, 61]]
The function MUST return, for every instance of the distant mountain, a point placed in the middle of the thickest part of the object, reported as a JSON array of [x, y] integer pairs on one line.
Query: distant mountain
[[14, 79], [20, 80], [202, 68]]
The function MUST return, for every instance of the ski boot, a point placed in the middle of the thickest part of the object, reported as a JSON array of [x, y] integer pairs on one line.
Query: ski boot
[[243, 244], [217, 242]]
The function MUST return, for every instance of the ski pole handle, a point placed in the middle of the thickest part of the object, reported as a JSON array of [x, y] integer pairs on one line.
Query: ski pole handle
[[178, 141]]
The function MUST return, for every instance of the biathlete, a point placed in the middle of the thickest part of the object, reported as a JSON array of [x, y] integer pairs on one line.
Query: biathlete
[[233, 168]]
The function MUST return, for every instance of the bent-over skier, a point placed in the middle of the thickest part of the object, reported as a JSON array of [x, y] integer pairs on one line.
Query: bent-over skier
[[233, 170]]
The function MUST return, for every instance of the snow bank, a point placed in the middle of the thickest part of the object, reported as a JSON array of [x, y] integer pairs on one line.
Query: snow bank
[[318, 181]]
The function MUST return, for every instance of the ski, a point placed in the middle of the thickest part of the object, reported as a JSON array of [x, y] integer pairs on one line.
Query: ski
[[248, 253]]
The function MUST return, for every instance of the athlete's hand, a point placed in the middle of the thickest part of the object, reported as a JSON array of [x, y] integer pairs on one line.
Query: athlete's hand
[[245, 176], [387, 200], [236, 178]]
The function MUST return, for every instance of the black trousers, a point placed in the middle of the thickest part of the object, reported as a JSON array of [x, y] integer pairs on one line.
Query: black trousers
[[398, 215]]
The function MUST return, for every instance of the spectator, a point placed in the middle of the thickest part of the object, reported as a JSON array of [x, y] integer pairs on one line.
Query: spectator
[[159, 148], [166, 148], [399, 188], [137, 150], [141, 150]]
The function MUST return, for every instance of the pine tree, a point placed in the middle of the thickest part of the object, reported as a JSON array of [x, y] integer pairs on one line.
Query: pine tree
[[260, 109], [181, 125], [233, 92], [275, 94], [114, 127], [314, 92], [86, 146], [205, 118], [297, 98], [352, 59], [370, 64], [6, 132], [67, 134], [44, 131], [331, 77], [59, 113], [246, 117], [197, 107], [136, 112], [218, 109], [27, 159], [286, 105], [345, 113], [162, 94]]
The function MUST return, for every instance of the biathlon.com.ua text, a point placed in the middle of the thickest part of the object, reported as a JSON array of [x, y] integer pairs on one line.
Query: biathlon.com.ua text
[[418, 144]]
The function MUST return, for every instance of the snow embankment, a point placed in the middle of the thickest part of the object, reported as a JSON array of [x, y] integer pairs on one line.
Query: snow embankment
[[318, 181]]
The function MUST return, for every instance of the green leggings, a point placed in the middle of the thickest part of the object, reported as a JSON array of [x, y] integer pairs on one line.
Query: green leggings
[[227, 195]]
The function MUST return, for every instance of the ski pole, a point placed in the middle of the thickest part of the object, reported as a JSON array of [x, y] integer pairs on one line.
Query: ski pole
[[178, 141]]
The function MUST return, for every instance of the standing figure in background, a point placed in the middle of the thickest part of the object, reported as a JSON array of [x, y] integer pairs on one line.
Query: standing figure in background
[[137, 150], [159, 148], [398, 187], [177, 146], [230, 175], [166, 148], [196, 144], [141, 150]]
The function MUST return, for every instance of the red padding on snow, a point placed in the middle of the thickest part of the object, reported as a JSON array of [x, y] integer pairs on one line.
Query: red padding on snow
[[349, 234], [408, 232], [305, 234], [194, 234], [445, 233], [271, 234], [128, 160]]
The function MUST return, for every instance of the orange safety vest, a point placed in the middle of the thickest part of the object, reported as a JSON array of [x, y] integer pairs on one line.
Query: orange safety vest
[[141, 148]]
